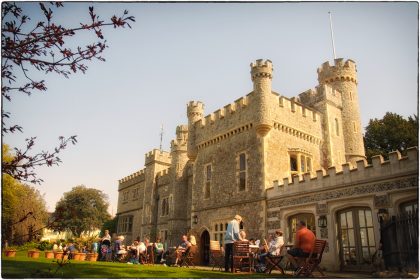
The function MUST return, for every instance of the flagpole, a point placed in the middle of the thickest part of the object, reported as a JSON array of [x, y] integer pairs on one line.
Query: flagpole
[[332, 35]]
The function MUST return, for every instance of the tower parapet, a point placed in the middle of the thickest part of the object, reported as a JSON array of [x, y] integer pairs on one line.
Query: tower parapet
[[261, 75], [342, 77], [195, 111], [340, 71]]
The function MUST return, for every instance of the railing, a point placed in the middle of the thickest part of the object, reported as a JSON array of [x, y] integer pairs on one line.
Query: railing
[[400, 242]]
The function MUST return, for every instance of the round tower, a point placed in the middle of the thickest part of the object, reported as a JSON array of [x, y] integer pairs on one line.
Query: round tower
[[179, 150], [261, 75], [195, 111], [342, 76]]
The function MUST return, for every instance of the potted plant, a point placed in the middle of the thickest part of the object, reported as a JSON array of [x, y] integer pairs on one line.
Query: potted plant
[[58, 254], [35, 254], [10, 252], [49, 254], [76, 255]]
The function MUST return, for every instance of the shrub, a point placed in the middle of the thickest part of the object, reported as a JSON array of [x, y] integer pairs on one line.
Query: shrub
[[45, 245]]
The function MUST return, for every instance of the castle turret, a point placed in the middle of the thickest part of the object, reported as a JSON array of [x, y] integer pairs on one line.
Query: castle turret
[[261, 75], [343, 78], [195, 113], [179, 150]]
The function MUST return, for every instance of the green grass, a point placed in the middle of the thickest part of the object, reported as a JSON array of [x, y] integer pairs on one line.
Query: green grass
[[24, 267]]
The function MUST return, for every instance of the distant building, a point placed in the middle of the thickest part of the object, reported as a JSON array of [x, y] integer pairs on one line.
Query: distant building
[[233, 161]]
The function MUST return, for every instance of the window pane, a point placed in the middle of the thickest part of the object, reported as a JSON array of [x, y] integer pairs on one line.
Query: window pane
[[215, 236], [293, 163], [221, 227], [242, 162], [308, 164], [221, 237], [366, 255], [302, 163], [362, 222], [371, 237], [207, 190], [216, 227], [351, 237], [349, 219], [208, 172], [242, 181], [363, 237], [343, 222], [368, 214], [344, 237]]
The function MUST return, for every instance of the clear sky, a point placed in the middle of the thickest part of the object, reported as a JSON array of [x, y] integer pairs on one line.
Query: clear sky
[[177, 52]]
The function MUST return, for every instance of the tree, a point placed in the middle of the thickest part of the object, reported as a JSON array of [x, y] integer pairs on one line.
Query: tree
[[43, 47], [110, 225], [20, 221], [81, 210], [392, 132]]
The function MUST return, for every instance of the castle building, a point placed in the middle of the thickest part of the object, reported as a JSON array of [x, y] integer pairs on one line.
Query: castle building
[[274, 160]]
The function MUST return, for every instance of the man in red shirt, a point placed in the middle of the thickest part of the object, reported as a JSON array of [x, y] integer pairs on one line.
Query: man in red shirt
[[304, 243]]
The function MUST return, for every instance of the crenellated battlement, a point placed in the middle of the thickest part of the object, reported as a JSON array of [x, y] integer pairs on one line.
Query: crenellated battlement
[[131, 179], [261, 69], [163, 177], [348, 174], [180, 142], [157, 155], [224, 112], [321, 93], [340, 71], [294, 106], [195, 109]]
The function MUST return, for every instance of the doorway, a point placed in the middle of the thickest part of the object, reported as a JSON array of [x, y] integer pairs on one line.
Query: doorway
[[356, 238], [205, 247]]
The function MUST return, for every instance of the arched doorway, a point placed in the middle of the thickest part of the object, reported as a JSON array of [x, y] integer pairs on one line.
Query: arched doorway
[[205, 247]]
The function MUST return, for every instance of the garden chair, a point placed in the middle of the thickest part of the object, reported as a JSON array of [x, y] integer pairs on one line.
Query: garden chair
[[312, 262], [241, 256], [187, 259], [216, 255], [150, 255]]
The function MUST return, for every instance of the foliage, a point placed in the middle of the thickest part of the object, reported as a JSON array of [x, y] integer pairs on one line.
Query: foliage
[[392, 132], [45, 47], [81, 210], [45, 245], [21, 221], [110, 225], [27, 246]]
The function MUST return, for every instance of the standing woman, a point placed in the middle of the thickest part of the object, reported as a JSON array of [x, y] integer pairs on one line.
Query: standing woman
[[232, 235]]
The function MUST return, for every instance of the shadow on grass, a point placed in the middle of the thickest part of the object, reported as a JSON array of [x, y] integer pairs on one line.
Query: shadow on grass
[[42, 268]]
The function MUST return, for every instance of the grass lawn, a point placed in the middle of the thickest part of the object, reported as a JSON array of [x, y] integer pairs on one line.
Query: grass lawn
[[23, 267]]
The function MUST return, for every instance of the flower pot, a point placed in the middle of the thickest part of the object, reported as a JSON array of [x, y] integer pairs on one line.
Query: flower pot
[[35, 254], [91, 257], [30, 253], [10, 253], [76, 256], [58, 255], [49, 254], [82, 256]]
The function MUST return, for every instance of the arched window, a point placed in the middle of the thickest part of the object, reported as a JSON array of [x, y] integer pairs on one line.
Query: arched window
[[356, 237], [409, 207], [337, 127]]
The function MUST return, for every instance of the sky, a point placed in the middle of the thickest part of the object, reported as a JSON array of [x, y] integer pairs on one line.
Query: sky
[[177, 52]]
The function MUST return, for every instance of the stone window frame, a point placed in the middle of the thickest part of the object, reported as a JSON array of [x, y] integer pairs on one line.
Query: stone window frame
[[164, 207], [239, 171], [301, 157], [207, 182], [125, 196], [337, 127], [125, 224], [136, 193], [219, 234]]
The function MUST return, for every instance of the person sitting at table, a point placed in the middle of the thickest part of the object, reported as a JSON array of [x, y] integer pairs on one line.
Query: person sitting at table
[[242, 233], [251, 241], [182, 248], [304, 243], [274, 247], [134, 252], [159, 250]]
